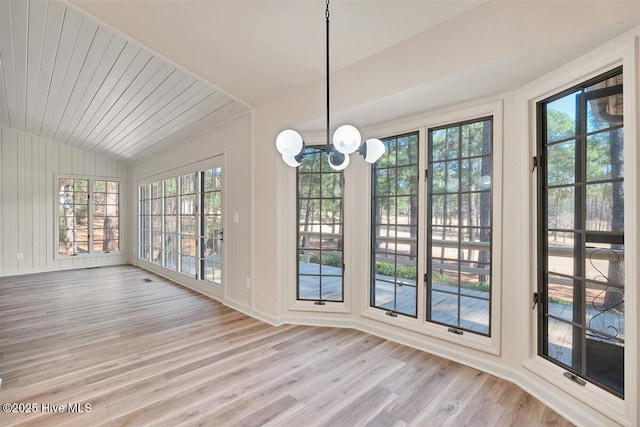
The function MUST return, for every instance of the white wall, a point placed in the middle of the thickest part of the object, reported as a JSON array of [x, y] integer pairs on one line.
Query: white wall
[[28, 194], [232, 141]]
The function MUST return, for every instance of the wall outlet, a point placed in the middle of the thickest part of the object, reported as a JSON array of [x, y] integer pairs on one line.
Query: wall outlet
[[236, 218], [20, 256], [248, 283]]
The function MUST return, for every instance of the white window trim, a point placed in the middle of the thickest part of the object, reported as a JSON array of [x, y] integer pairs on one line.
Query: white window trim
[[494, 108], [290, 235], [56, 224], [214, 291], [621, 51]]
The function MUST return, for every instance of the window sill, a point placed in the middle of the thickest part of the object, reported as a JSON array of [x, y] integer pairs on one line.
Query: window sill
[[468, 339], [597, 398], [328, 307]]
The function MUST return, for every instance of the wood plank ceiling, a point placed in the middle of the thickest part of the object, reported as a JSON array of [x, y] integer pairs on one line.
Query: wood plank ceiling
[[66, 77]]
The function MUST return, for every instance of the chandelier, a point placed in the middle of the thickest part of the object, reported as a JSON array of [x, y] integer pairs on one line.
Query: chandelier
[[346, 139]]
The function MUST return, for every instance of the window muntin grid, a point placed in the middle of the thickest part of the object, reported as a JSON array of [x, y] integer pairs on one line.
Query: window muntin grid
[[320, 230], [581, 231], [180, 224], [459, 221], [394, 234], [210, 221], [88, 216]]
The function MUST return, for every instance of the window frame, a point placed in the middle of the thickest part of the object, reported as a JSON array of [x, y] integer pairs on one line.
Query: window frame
[[542, 222], [620, 51], [320, 198], [299, 310], [198, 168], [469, 111], [373, 225], [459, 193], [91, 253]]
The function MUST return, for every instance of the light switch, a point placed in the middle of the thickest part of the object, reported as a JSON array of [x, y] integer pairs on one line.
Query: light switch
[[236, 218]]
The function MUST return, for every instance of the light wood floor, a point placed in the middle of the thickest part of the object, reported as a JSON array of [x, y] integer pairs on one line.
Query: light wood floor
[[155, 353]]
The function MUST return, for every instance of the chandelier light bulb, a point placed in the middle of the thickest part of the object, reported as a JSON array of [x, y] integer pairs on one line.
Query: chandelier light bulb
[[346, 139], [291, 161], [289, 143], [338, 161], [372, 150]]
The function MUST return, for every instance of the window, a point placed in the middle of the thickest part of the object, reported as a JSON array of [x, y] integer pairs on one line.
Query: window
[[581, 231], [459, 226], [88, 216], [395, 227], [144, 222], [170, 223], [180, 224], [187, 227], [106, 216], [320, 230], [211, 236], [156, 222]]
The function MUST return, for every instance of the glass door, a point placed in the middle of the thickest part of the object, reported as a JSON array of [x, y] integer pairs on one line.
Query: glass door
[[211, 239]]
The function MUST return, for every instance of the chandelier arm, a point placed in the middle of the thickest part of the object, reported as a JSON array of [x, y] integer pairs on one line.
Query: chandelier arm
[[328, 123], [310, 149]]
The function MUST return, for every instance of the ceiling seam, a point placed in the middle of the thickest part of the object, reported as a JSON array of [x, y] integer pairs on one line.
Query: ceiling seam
[[182, 113], [93, 74], [119, 96], [55, 60], [120, 140], [66, 73], [138, 105], [173, 109], [105, 100], [75, 84], [98, 90], [104, 128]]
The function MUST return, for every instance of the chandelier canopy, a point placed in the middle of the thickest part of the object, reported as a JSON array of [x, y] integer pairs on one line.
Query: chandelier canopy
[[346, 139]]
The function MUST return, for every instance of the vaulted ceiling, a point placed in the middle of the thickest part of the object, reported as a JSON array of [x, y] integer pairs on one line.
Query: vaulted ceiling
[[68, 78], [126, 78]]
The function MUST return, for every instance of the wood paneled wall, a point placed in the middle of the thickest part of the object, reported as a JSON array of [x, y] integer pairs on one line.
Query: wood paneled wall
[[232, 141], [28, 165]]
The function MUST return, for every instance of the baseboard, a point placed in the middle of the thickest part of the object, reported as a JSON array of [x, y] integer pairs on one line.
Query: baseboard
[[63, 268]]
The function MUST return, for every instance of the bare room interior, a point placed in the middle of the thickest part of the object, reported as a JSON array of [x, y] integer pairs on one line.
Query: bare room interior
[[328, 213]]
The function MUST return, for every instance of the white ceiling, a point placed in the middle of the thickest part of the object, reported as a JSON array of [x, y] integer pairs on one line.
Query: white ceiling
[[143, 75], [68, 79], [259, 49]]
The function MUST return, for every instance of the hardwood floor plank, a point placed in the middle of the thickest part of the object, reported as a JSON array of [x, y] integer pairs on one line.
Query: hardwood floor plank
[[155, 353]]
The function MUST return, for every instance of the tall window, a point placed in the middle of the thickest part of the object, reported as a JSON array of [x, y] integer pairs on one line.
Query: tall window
[[211, 236], [170, 223], [144, 222], [106, 215], [156, 223], [395, 227], [581, 231], [187, 228], [88, 216], [320, 231], [459, 221], [180, 224]]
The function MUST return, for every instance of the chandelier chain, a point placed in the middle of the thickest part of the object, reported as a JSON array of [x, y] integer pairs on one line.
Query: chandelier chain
[[346, 140], [327, 58]]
